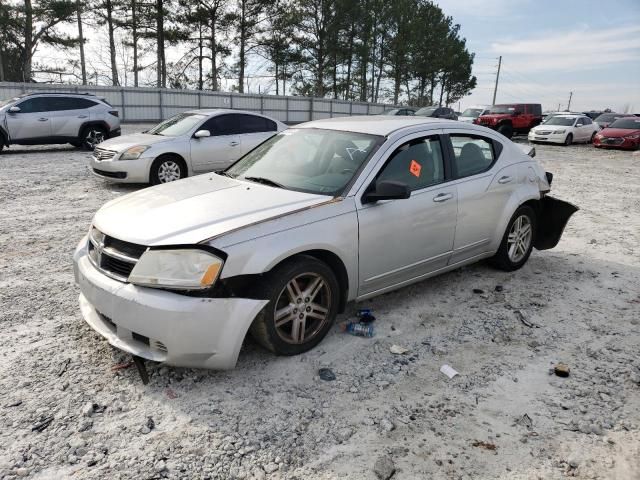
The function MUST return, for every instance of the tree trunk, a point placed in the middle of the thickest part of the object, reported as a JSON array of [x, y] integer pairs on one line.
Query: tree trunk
[[347, 87], [200, 47], [380, 68], [134, 35], [28, 41], [243, 33], [161, 74], [112, 44], [1, 66], [277, 80], [83, 65], [214, 52]]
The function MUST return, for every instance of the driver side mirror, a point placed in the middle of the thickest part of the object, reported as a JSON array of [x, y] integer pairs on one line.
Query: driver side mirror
[[14, 110], [579, 125], [387, 190], [202, 134]]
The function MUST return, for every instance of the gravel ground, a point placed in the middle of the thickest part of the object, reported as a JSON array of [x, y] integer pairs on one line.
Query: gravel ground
[[67, 412]]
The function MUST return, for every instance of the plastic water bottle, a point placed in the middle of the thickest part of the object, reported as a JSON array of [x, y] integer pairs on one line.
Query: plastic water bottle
[[359, 329]]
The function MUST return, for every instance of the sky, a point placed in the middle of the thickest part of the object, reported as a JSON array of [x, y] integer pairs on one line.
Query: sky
[[551, 48]]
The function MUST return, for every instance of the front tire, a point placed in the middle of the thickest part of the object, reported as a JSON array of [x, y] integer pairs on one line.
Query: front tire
[[506, 130], [303, 296], [92, 136], [517, 241], [593, 135], [167, 168], [569, 140]]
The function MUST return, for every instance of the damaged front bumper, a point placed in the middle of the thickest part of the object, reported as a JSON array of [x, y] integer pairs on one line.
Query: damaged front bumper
[[553, 216], [163, 326]]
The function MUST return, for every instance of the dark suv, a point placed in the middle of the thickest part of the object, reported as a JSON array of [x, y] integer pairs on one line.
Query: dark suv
[[512, 118], [437, 112], [41, 118]]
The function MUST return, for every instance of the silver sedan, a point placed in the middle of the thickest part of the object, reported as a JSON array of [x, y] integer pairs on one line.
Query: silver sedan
[[329, 212]]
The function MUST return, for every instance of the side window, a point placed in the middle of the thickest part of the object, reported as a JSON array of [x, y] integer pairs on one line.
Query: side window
[[473, 154], [418, 163], [73, 103], [37, 104], [222, 125], [586, 121]]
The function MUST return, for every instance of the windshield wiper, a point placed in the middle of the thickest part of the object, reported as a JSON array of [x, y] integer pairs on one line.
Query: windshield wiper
[[265, 181], [226, 174]]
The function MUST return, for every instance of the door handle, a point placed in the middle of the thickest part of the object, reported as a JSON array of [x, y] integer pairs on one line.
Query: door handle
[[234, 144], [82, 116], [443, 197], [505, 179], [43, 119]]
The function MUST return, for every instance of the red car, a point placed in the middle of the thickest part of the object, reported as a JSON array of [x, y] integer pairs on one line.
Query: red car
[[512, 118], [623, 133]]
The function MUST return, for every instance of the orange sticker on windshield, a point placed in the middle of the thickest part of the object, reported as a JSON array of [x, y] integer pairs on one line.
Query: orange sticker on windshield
[[414, 168]]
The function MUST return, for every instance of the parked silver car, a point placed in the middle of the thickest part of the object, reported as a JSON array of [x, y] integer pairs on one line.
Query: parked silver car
[[319, 215], [189, 143], [41, 118]]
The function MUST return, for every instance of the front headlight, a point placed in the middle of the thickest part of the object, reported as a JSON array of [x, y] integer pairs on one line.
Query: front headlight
[[134, 153], [183, 269], [559, 131], [635, 136]]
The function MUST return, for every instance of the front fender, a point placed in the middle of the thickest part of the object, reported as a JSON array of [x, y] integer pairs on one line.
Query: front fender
[[553, 216]]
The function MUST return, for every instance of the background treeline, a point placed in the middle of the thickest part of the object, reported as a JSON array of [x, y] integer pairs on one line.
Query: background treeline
[[396, 51]]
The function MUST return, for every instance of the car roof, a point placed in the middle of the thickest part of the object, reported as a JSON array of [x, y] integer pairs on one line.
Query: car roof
[[382, 125], [571, 115]]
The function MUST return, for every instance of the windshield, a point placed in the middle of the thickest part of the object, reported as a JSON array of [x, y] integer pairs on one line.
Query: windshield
[[564, 121], [308, 160], [608, 117], [502, 109], [630, 123], [426, 111], [472, 112], [178, 125]]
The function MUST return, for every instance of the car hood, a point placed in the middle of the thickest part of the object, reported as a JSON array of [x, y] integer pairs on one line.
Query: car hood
[[618, 132], [119, 144], [496, 116], [195, 209]]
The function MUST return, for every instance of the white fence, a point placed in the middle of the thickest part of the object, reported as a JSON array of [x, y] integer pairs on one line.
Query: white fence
[[155, 104]]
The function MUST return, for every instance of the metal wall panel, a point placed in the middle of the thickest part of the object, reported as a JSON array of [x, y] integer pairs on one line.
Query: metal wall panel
[[153, 105]]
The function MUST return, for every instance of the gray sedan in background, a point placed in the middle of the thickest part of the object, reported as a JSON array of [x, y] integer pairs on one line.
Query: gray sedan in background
[[329, 212]]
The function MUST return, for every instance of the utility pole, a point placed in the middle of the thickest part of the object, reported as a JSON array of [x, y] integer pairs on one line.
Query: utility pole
[[495, 90], [569, 105]]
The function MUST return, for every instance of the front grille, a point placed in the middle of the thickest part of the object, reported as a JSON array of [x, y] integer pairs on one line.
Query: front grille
[[115, 258], [110, 174], [613, 141], [543, 132], [100, 154]]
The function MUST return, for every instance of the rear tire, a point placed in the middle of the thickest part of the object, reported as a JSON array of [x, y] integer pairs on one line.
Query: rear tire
[[506, 130], [517, 241], [167, 168], [92, 136], [569, 140], [303, 296]]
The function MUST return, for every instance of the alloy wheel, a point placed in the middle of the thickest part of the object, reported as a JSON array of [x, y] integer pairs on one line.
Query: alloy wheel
[[302, 308], [169, 171], [94, 137], [519, 239]]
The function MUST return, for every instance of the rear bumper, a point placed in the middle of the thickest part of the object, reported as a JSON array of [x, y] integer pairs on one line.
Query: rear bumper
[[553, 217], [163, 326]]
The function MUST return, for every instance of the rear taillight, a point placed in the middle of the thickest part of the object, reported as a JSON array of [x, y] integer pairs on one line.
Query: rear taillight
[[114, 113]]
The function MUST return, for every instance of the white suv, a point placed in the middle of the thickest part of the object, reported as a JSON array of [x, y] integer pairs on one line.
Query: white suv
[[82, 120]]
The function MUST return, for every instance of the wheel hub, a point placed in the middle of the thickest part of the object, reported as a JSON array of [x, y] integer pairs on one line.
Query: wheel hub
[[519, 238]]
